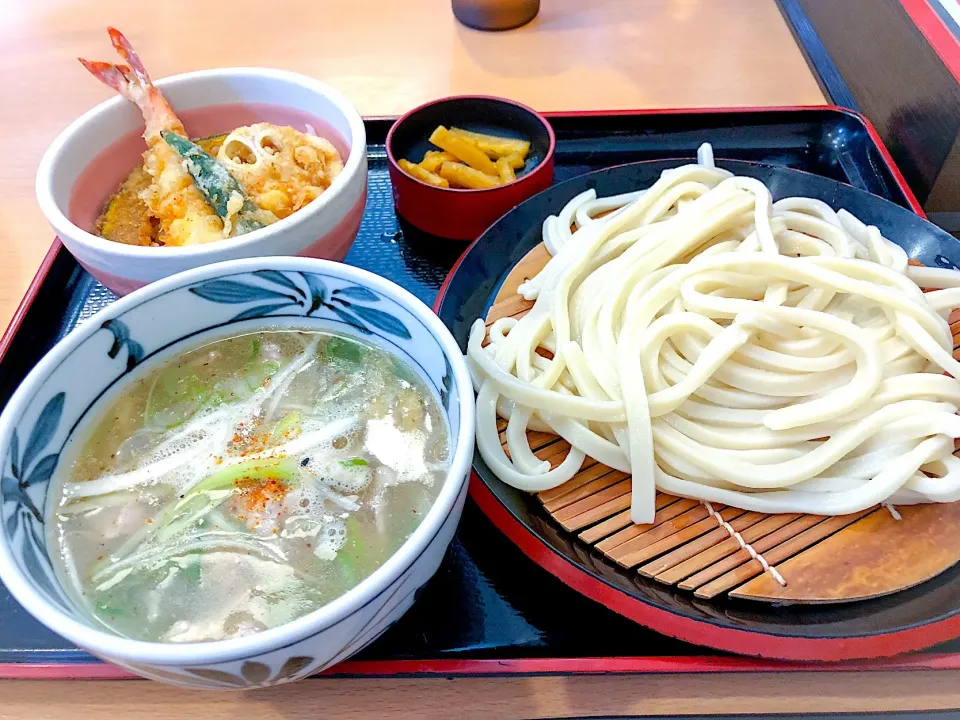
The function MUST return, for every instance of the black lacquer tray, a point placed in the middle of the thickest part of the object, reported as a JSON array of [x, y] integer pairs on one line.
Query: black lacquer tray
[[490, 610]]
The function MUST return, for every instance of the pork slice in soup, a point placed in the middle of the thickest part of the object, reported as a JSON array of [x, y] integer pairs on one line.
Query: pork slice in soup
[[244, 484]]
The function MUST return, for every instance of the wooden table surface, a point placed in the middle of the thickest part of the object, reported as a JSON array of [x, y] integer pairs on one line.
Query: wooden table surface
[[388, 56]]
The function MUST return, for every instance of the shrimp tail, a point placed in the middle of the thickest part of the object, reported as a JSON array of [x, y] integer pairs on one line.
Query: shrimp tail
[[123, 46], [114, 76], [133, 83]]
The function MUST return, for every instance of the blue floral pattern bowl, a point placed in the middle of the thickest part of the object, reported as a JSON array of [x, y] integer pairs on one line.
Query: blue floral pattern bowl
[[55, 400]]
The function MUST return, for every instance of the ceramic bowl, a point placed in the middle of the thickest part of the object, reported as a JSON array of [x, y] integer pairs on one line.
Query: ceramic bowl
[[57, 396], [455, 213], [88, 161]]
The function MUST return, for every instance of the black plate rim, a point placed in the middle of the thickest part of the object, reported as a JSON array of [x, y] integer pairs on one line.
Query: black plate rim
[[803, 647]]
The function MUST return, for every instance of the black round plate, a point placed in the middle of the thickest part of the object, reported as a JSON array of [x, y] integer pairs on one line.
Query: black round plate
[[908, 620]]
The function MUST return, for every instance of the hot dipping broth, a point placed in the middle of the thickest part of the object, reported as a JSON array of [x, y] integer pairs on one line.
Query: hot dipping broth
[[244, 484]]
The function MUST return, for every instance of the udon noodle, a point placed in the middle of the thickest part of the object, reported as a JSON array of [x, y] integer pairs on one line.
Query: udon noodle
[[773, 356]]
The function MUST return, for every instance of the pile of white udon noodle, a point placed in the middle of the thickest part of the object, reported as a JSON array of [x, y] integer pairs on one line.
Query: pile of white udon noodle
[[778, 357]]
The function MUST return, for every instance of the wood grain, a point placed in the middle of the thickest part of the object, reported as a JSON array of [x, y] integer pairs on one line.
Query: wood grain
[[511, 698], [858, 562], [836, 559]]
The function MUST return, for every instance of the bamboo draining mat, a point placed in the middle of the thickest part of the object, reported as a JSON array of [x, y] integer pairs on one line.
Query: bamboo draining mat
[[822, 559]]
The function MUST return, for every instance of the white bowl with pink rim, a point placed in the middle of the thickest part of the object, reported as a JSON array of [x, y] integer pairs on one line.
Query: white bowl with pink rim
[[86, 163]]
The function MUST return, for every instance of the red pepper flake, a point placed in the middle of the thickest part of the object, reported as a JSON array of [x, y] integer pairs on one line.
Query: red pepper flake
[[149, 521], [269, 490]]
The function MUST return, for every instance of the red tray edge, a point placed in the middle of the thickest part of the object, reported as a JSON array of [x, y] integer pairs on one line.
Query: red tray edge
[[693, 664], [522, 666], [936, 32], [27, 301]]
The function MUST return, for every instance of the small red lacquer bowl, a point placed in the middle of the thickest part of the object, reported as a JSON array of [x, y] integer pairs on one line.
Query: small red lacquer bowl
[[464, 214]]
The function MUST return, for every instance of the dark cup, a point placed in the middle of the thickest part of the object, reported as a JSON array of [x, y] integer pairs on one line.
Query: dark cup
[[495, 14]]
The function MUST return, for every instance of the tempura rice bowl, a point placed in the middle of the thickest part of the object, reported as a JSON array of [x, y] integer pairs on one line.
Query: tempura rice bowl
[[87, 162]]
